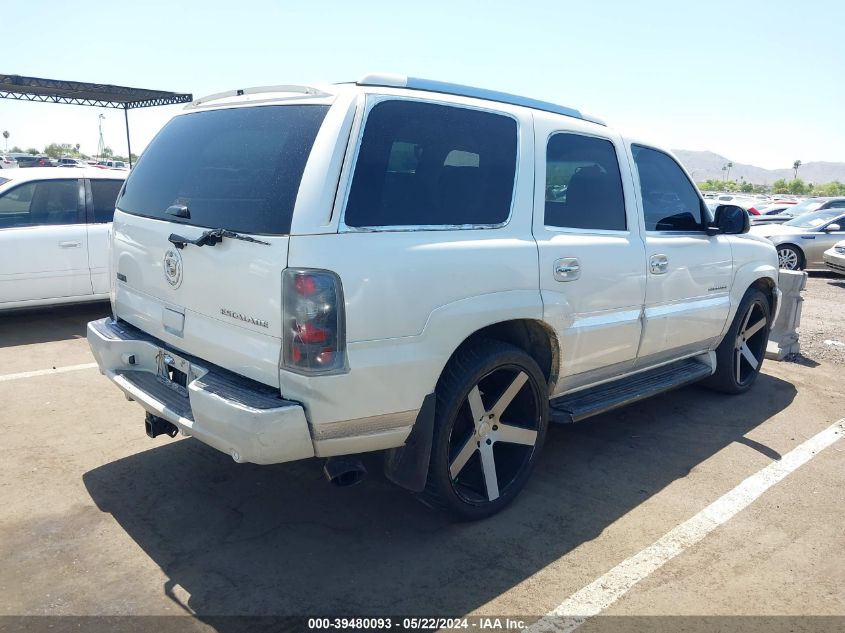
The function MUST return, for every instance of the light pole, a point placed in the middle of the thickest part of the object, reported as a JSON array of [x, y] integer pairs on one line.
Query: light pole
[[101, 145]]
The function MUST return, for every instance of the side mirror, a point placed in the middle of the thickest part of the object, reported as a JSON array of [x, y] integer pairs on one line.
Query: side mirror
[[831, 228], [730, 220]]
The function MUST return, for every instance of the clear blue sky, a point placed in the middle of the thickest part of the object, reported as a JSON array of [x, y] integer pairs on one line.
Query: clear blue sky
[[758, 82]]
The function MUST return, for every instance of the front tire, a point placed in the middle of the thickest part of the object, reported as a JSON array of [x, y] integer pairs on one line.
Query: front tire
[[740, 355], [490, 424]]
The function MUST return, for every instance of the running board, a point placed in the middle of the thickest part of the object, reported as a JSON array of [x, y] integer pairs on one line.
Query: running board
[[584, 404]]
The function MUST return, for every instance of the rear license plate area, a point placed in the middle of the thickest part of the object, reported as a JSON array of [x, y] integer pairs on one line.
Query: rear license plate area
[[174, 371], [177, 376]]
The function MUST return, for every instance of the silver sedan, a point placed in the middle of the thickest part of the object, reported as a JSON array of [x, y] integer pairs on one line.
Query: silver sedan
[[801, 241]]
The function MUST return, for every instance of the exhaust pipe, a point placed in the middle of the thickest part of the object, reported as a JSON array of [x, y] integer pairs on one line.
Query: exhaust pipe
[[344, 470], [156, 426]]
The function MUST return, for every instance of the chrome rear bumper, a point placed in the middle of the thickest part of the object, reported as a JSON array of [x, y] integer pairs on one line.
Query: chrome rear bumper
[[243, 418]]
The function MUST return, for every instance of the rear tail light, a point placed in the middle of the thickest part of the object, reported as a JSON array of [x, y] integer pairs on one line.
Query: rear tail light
[[753, 211], [314, 338]]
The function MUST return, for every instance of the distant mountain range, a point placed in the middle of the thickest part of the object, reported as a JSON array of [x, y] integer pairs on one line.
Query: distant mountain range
[[707, 165]]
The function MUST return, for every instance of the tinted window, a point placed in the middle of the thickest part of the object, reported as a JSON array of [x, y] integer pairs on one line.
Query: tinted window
[[423, 164], [39, 203], [670, 202], [237, 169], [104, 193], [583, 184]]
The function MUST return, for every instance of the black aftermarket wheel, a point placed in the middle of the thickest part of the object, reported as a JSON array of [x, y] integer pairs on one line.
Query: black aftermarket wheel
[[490, 423], [740, 355]]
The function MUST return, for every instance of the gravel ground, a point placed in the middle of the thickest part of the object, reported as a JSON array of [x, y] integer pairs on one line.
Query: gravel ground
[[822, 326]]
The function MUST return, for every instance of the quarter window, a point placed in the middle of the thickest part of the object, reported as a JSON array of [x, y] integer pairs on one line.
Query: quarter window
[[424, 164], [670, 202], [583, 184], [48, 202]]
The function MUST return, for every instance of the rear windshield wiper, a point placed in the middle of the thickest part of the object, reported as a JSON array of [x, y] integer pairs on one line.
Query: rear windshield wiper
[[211, 237]]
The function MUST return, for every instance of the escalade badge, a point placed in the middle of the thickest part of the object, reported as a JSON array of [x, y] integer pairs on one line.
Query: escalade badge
[[242, 317], [173, 267]]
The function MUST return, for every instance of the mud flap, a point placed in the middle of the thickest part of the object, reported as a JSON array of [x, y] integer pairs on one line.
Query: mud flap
[[407, 466]]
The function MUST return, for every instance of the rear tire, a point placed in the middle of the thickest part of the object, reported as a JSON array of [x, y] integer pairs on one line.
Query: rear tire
[[790, 258], [490, 423], [740, 355]]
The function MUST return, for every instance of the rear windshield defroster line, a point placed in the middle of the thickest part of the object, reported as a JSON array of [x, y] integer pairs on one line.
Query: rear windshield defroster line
[[237, 169]]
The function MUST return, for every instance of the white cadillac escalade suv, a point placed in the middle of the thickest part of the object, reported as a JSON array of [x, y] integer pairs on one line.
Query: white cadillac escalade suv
[[425, 269]]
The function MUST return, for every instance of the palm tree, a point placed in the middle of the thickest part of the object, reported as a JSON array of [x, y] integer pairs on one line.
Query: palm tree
[[6, 136], [729, 165], [795, 167]]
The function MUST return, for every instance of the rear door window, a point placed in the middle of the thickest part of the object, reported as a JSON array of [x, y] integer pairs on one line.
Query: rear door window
[[583, 184], [236, 168], [425, 164], [48, 202], [103, 196]]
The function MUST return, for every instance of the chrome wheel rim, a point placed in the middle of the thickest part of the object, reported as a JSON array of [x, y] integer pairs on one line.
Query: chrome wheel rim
[[494, 435], [750, 344], [788, 258]]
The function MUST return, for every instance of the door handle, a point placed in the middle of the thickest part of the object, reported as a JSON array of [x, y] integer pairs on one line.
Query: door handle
[[567, 269], [70, 244], [658, 264]]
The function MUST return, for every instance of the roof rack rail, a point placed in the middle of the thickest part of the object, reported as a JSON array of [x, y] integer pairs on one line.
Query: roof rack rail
[[303, 90], [415, 83]]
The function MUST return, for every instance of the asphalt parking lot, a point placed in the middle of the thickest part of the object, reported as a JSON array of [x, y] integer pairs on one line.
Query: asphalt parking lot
[[100, 520]]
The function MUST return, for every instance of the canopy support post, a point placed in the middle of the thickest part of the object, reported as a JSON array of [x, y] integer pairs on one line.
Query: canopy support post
[[128, 144]]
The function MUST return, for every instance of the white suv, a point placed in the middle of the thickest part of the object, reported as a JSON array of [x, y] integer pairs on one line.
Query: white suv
[[425, 269]]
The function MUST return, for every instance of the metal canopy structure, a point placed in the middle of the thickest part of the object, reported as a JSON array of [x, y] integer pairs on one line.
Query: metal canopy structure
[[87, 94]]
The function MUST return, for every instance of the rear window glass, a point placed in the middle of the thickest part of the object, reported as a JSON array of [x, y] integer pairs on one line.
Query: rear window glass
[[424, 164], [237, 169]]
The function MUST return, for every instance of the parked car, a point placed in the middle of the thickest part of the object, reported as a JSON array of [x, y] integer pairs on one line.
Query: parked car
[[54, 226], [834, 258], [8, 162], [801, 241], [806, 206], [773, 208], [112, 164], [772, 213], [36, 161], [745, 202], [70, 162], [767, 207], [27, 161], [394, 265]]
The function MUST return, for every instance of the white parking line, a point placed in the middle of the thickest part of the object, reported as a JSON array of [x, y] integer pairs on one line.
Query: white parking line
[[607, 589], [44, 372]]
